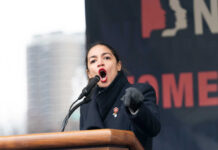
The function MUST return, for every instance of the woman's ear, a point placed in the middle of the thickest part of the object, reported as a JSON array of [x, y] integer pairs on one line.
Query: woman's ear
[[119, 66]]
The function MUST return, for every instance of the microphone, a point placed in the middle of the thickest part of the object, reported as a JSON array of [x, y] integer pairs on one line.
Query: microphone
[[88, 88]]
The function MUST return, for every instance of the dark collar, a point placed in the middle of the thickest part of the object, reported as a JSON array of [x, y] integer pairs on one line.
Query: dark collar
[[106, 97]]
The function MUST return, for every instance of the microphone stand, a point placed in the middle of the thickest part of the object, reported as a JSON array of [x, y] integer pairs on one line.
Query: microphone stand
[[71, 110], [87, 92]]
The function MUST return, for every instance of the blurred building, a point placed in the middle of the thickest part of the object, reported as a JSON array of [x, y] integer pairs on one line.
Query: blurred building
[[56, 75]]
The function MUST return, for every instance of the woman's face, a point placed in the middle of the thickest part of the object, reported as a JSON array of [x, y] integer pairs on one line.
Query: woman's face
[[102, 62]]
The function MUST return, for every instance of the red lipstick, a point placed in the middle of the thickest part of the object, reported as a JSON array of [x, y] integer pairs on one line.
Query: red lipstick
[[103, 74]]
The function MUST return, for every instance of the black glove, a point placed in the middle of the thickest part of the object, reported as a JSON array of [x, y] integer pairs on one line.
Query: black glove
[[133, 98]]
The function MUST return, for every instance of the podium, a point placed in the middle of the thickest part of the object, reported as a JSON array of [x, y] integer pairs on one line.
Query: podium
[[102, 139]]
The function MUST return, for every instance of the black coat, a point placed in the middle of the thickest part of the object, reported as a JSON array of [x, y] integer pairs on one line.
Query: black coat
[[99, 112]]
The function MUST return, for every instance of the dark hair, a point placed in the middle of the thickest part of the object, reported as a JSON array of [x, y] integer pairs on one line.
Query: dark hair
[[101, 43]]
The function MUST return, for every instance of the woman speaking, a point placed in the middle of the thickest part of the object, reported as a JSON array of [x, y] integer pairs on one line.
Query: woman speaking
[[115, 103]]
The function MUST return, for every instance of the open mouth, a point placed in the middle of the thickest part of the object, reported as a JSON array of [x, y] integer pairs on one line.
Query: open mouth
[[103, 74]]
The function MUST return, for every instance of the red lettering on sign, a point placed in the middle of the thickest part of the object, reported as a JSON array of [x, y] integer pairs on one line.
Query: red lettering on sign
[[131, 79], [205, 88], [180, 93]]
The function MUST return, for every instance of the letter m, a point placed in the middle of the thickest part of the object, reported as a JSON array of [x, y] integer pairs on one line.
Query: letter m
[[177, 94]]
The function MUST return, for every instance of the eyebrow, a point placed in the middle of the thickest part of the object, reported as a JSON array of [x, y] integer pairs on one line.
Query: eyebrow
[[94, 56], [106, 53]]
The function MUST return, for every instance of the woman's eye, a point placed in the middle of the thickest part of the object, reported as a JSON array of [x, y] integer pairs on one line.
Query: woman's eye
[[107, 57], [92, 61]]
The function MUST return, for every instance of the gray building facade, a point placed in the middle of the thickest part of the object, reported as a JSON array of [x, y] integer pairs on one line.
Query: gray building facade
[[56, 75]]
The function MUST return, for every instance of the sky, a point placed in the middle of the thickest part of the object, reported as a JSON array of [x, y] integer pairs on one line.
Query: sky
[[20, 20]]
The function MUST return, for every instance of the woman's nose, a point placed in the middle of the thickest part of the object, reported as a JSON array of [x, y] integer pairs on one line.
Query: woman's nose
[[100, 63]]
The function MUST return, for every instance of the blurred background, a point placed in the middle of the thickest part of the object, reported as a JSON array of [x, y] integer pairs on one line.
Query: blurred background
[[41, 46]]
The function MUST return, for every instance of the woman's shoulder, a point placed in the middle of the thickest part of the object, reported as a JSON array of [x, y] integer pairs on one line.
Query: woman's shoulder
[[143, 87]]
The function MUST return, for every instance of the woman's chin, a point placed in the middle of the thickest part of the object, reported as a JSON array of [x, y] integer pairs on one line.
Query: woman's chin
[[103, 84]]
